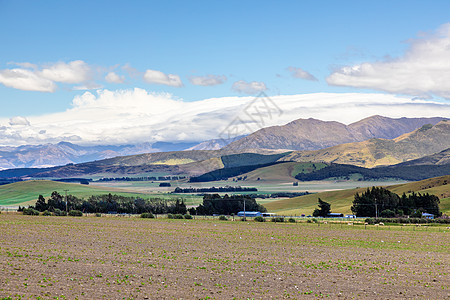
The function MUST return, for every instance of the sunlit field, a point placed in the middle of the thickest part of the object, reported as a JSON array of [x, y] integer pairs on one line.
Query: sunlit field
[[134, 258]]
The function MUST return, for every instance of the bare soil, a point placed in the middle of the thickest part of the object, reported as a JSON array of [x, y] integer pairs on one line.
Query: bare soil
[[133, 258]]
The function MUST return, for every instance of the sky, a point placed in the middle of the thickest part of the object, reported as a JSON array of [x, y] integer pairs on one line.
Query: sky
[[96, 72]]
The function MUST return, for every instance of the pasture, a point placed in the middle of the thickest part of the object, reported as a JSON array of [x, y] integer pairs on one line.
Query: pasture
[[132, 258]]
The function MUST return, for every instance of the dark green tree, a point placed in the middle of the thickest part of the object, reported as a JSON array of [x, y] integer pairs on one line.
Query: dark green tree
[[40, 204], [323, 210]]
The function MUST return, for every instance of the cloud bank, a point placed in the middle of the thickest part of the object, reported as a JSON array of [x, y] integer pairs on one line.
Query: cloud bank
[[136, 116], [423, 71]]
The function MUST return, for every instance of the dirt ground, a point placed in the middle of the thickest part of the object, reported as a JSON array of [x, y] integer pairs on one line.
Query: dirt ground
[[132, 258]]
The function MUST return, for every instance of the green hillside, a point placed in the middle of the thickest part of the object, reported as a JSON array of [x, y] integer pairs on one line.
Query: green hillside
[[341, 201], [26, 192]]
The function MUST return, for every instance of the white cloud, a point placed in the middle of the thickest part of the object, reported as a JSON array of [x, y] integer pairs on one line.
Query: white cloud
[[14, 121], [76, 71], [158, 77], [253, 87], [112, 77], [207, 80], [136, 116], [423, 70], [30, 78], [300, 73], [26, 80]]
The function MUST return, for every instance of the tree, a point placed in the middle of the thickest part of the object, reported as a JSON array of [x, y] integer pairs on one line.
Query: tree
[[373, 201], [40, 204], [323, 210]]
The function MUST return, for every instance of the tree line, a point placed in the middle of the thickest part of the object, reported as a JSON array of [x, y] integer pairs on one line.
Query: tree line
[[221, 189], [109, 203]]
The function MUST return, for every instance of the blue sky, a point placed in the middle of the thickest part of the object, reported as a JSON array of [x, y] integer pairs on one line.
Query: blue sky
[[198, 50]]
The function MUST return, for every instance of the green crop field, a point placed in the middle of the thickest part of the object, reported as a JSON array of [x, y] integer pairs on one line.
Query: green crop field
[[27, 192]]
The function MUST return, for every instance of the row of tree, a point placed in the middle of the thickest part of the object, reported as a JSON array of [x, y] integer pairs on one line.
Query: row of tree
[[111, 203], [222, 189], [380, 202]]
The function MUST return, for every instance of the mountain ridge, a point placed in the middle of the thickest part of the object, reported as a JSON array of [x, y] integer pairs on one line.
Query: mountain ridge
[[313, 134]]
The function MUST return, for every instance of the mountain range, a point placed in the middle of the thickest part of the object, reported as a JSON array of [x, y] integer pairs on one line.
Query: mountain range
[[301, 134], [424, 141], [312, 134]]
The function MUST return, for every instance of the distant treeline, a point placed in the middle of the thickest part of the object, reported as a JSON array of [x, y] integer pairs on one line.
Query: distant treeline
[[71, 180], [222, 189], [279, 195], [411, 173], [145, 178], [225, 173], [110, 203], [8, 181]]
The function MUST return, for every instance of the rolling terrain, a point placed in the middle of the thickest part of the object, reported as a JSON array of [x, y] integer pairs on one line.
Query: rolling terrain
[[27, 192], [341, 201], [421, 142]]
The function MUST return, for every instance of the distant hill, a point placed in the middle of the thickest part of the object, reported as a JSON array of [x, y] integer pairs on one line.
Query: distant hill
[[341, 201], [312, 134], [421, 142], [63, 153], [440, 158], [214, 144]]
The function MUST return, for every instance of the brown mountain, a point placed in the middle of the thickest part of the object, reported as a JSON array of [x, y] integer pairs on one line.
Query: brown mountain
[[421, 142], [312, 134]]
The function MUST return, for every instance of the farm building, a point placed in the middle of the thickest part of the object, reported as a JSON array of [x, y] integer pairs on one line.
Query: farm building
[[335, 215], [249, 214], [427, 216]]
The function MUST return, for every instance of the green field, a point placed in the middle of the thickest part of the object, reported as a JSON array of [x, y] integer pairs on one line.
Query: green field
[[27, 192]]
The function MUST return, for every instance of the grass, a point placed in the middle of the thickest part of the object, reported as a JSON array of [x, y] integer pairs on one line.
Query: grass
[[26, 192], [341, 201]]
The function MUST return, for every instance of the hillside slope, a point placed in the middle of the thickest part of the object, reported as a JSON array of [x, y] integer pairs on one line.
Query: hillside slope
[[341, 201], [424, 141]]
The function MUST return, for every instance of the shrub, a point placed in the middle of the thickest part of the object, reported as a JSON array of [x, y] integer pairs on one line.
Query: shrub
[[58, 212], [278, 219], [309, 221], [223, 218], [291, 220], [187, 217], [46, 213], [387, 213], [75, 213], [147, 215], [178, 216], [30, 212], [170, 216], [98, 215], [259, 219]]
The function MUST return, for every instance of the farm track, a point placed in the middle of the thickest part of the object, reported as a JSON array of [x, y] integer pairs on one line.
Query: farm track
[[133, 258]]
